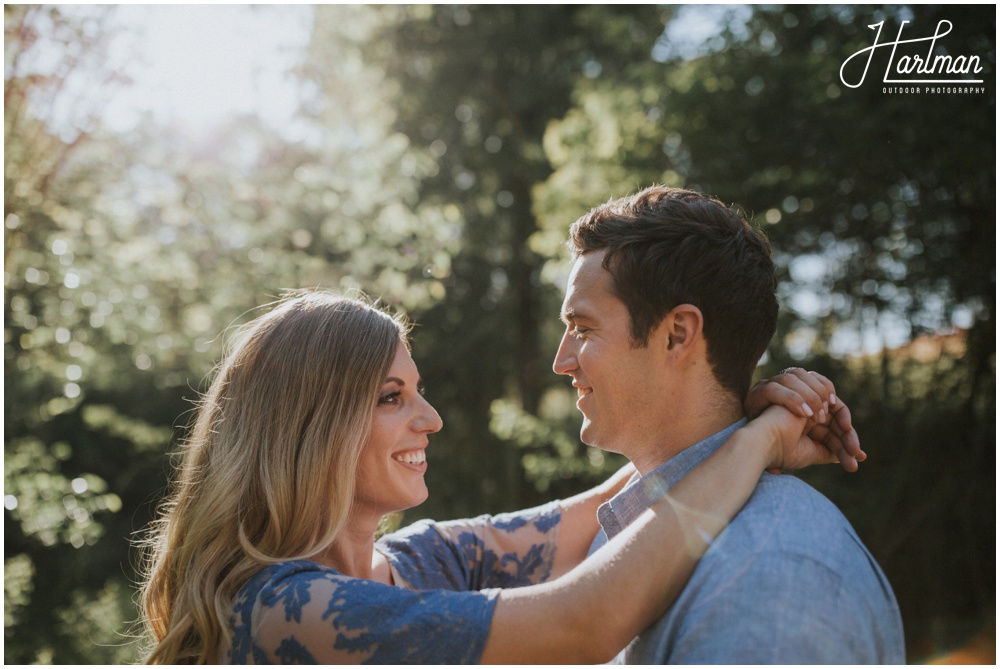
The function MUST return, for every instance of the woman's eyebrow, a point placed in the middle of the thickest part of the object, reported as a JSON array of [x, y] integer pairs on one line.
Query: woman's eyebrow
[[400, 382]]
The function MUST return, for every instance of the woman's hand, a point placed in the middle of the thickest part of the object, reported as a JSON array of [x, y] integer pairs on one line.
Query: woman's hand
[[811, 396], [794, 447]]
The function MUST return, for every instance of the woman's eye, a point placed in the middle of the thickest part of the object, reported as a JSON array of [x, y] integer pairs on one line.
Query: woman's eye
[[390, 398]]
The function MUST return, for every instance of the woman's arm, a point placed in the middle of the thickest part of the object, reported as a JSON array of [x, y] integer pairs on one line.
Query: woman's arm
[[579, 526], [591, 613], [809, 395]]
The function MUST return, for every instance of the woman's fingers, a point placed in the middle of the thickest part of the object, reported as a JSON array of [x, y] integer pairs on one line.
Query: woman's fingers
[[813, 396], [793, 389], [838, 447], [841, 426], [812, 390], [769, 392]]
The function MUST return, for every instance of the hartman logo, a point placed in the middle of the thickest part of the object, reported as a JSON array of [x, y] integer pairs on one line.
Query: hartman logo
[[914, 63]]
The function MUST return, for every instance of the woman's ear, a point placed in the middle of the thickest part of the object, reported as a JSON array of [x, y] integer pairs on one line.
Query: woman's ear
[[683, 325]]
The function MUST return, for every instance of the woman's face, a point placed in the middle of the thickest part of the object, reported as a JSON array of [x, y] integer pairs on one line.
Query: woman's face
[[391, 475]]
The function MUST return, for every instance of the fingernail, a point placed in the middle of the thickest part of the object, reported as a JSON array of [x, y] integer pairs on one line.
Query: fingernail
[[833, 399], [822, 416], [805, 407]]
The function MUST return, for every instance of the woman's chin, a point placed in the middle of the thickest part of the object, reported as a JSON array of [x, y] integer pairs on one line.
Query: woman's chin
[[421, 498], [417, 498]]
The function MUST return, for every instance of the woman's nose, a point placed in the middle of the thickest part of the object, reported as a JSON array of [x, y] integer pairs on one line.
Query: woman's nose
[[429, 421]]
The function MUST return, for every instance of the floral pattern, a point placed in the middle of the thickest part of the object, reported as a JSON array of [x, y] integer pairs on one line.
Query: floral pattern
[[447, 575]]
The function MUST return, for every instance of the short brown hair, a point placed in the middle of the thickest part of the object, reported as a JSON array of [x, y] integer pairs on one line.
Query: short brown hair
[[669, 246]]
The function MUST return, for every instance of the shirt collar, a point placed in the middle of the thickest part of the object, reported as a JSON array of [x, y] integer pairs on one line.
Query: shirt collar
[[642, 492]]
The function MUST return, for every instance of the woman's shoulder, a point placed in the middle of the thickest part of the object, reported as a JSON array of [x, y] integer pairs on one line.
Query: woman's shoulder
[[291, 569], [288, 583], [270, 605]]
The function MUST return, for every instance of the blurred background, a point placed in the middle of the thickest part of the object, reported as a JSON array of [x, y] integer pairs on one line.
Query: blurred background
[[168, 170]]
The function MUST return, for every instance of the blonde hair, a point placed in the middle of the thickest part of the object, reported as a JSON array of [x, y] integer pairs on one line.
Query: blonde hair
[[268, 472]]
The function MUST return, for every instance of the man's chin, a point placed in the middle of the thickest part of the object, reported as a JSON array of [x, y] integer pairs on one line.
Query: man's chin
[[589, 435]]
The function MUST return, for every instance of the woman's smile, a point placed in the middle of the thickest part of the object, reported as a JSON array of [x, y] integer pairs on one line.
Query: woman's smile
[[415, 459]]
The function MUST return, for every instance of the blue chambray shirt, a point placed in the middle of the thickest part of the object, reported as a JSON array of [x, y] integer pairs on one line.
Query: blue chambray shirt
[[787, 582]]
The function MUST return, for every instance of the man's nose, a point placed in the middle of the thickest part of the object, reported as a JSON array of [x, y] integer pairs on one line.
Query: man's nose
[[565, 361]]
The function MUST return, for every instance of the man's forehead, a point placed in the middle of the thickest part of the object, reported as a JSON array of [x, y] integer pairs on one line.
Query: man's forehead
[[589, 285]]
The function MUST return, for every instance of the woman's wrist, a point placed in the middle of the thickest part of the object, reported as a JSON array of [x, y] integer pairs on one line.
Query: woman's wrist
[[756, 445]]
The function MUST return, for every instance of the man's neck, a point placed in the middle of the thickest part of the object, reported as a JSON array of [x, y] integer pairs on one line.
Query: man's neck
[[685, 431]]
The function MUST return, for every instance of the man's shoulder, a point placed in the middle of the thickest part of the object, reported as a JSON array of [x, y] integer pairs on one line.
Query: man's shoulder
[[786, 518], [790, 532], [790, 495], [787, 570]]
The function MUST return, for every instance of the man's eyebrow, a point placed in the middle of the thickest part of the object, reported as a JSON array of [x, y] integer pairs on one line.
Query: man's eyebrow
[[573, 315]]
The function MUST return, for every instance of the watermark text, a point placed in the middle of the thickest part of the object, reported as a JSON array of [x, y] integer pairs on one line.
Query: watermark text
[[940, 68]]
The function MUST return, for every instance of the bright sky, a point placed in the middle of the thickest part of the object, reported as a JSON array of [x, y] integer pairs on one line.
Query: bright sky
[[199, 64]]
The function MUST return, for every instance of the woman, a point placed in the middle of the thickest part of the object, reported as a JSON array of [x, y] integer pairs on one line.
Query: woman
[[312, 431]]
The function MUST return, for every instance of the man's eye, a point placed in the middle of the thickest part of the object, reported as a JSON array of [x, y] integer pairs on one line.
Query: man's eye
[[578, 332]]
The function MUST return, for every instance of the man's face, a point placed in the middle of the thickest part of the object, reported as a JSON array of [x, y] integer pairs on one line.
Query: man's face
[[621, 389]]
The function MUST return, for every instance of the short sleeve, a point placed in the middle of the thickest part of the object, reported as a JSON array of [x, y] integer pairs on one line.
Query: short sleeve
[[304, 613], [503, 551]]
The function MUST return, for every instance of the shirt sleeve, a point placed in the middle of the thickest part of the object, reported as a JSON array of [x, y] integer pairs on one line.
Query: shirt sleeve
[[303, 613], [503, 551]]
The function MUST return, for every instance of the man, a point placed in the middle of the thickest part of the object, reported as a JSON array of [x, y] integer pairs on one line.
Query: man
[[669, 307]]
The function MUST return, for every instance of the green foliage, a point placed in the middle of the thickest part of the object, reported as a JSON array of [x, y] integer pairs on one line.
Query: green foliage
[[553, 452], [18, 573], [49, 507], [102, 622], [447, 149], [887, 195]]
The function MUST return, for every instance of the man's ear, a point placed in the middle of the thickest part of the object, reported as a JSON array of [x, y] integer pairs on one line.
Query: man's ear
[[683, 327]]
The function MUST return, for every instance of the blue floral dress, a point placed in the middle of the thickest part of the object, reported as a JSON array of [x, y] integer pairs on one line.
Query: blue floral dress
[[447, 578]]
